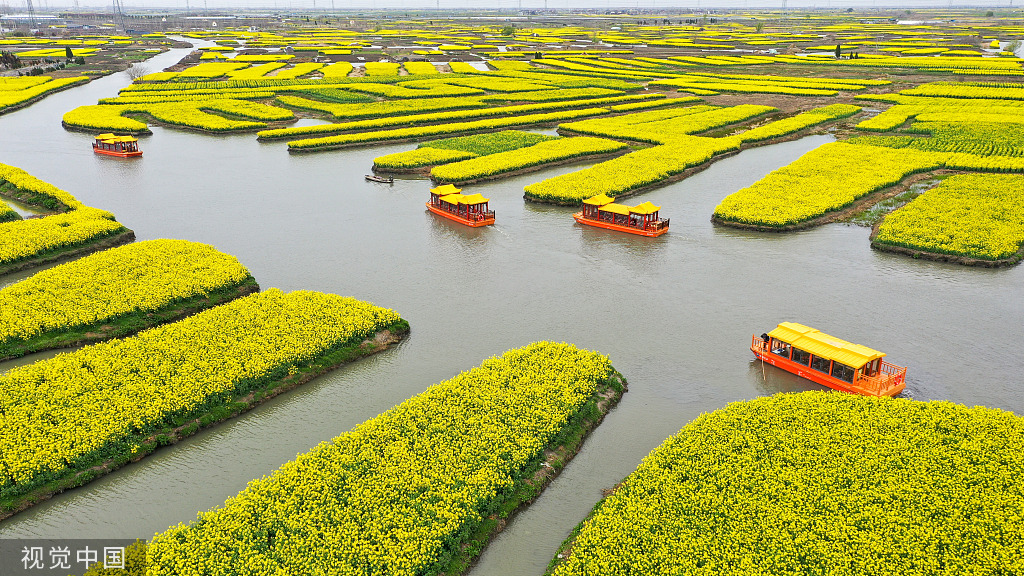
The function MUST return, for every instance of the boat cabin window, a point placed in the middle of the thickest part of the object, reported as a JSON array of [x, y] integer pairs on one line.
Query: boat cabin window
[[871, 368], [781, 348], [842, 372], [821, 364], [801, 357]]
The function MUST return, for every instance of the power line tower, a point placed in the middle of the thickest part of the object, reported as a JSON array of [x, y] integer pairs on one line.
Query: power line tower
[[32, 13], [118, 16]]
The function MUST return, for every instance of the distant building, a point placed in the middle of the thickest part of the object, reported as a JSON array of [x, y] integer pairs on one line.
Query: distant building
[[34, 20]]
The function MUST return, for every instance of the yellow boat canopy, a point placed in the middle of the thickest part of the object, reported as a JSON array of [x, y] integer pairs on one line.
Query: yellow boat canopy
[[110, 138], [599, 200], [616, 209], [470, 199], [645, 208], [473, 199], [445, 190], [825, 346]]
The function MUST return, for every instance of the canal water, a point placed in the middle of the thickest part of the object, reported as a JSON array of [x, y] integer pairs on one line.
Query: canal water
[[674, 314]]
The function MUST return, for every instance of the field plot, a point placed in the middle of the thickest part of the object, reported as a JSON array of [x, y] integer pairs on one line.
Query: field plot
[[516, 161], [971, 126], [974, 216], [73, 228], [414, 490], [47, 65], [178, 99], [116, 292], [810, 187], [458, 148], [203, 369], [18, 92], [677, 149], [193, 114], [817, 482]]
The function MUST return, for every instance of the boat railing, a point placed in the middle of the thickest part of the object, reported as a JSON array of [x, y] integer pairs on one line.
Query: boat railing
[[888, 375], [892, 369], [658, 224], [477, 216], [758, 344]]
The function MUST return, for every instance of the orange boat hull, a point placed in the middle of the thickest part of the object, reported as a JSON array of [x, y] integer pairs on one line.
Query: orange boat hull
[[118, 154], [459, 219], [618, 227], [822, 378]]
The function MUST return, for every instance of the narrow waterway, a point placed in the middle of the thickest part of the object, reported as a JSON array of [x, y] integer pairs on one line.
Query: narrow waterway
[[674, 314]]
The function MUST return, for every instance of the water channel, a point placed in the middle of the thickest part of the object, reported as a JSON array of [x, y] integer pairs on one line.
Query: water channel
[[674, 314]]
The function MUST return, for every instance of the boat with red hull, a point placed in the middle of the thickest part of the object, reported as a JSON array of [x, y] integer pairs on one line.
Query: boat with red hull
[[601, 211], [120, 146], [471, 210], [829, 361]]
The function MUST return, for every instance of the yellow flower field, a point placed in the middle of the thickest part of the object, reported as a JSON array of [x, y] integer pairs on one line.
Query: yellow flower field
[[536, 155], [501, 112], [188, 113], [818, 483], [27, 91], [384, 108], [418, 158], [102, 400], [7, 213], [25, 239], [973, 215], [666, 126], [25, 182], [442, 129], [634, 170], [98, 289], [400, 493], [22, 240], [823, 180]]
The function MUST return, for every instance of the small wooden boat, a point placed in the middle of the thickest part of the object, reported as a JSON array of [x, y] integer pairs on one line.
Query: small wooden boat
[[381, 179], [120, 146], [471, 210], [829, 361], [603, 212]]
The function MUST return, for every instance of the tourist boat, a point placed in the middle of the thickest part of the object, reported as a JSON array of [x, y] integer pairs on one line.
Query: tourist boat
[[120, 146], [381, 179], [471, 210], [829, 361], [603, 212]]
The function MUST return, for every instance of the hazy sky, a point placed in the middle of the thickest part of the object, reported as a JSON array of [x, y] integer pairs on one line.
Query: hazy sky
[[17, 6]]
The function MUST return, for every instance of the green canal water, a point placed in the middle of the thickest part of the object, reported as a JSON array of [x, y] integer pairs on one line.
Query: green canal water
[[674, 314]]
